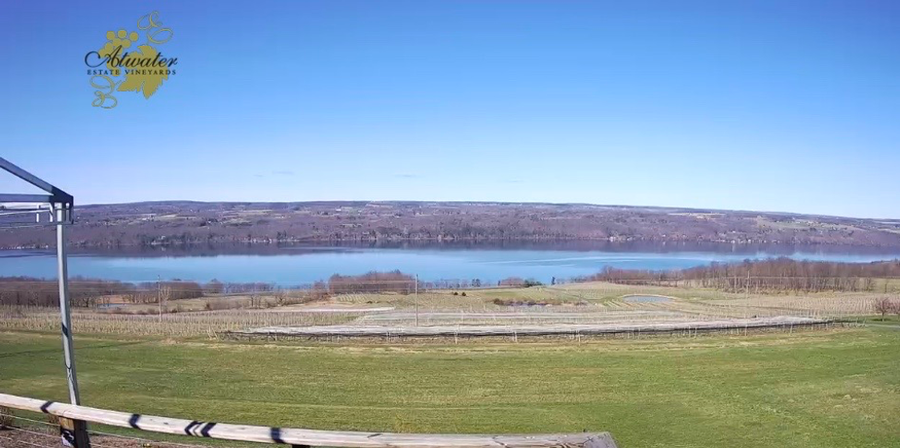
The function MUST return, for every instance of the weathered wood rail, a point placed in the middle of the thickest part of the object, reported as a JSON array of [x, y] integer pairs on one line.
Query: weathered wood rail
[[297, 437]]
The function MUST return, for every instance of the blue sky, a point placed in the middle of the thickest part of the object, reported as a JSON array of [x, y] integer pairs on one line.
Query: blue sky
[[763, 105]]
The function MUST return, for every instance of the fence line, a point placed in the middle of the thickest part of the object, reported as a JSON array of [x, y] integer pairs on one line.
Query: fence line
[[300, 437], [24, 442], [516, 331]]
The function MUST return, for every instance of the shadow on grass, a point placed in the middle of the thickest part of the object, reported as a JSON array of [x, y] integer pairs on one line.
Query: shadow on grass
[[80, 349]]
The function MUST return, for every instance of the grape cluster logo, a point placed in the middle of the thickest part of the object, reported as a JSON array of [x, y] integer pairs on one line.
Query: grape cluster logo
[[130, 61]]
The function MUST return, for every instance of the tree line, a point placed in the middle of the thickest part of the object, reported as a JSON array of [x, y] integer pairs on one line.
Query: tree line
[[88, 292], [785, 274], [771, 275], [372, 282]]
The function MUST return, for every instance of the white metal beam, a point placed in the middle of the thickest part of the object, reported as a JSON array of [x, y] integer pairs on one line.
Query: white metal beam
[[56, 194], [27, 198]]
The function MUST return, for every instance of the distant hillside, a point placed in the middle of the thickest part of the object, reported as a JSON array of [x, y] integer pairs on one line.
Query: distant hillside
[[190, 223]]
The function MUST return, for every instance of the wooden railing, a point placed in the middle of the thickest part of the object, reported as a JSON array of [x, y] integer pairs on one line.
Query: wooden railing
[[73, 420]]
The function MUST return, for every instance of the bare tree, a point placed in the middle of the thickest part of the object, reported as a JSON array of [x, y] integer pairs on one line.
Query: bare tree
[[884, 305]]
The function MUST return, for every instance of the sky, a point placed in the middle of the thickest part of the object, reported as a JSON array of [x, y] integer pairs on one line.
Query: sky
[[758, 105]]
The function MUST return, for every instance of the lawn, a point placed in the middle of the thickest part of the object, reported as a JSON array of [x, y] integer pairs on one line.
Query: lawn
[[807, 389]]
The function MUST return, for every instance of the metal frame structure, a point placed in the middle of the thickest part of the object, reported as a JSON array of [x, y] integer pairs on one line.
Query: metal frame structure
[[60, 206]]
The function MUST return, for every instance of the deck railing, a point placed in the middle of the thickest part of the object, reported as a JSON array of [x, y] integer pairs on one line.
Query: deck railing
[[73, 427]]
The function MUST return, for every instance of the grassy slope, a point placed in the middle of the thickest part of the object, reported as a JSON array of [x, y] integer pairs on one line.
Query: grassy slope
[[800, 390]]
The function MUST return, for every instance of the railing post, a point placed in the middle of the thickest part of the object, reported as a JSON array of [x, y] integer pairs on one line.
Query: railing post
[[74, 433]]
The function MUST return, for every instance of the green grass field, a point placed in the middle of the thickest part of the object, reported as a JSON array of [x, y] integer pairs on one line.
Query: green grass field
[[809, 389]]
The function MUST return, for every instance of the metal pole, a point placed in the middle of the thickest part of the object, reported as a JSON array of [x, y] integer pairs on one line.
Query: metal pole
[[417, 299], [159, 298], [62, 261]]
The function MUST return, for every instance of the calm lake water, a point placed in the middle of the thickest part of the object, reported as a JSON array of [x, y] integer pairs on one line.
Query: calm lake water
[[296, 265]]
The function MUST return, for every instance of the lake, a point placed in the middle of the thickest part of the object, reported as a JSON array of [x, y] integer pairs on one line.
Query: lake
[[294, 265]]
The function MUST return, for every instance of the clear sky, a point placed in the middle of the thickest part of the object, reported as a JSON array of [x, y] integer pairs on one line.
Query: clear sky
[[760, 105]]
